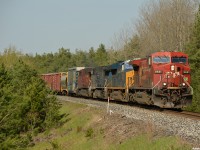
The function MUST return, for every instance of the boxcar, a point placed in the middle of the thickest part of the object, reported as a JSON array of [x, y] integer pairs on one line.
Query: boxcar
[[57, 82]]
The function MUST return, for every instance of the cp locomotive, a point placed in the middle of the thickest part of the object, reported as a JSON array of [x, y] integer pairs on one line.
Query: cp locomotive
[[162, 79]]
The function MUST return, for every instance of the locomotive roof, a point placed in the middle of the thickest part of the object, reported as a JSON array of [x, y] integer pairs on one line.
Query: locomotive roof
[[170, 54], [114, 66]]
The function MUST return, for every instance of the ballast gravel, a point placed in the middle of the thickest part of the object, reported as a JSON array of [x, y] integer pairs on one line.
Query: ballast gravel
[[186, 128]]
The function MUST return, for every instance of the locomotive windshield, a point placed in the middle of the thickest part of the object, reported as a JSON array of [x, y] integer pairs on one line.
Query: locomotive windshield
[[161, 59], [179, 60]]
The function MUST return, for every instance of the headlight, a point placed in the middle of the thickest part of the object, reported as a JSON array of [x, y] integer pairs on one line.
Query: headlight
[[172, 67], [183, 84], [158, 71], [164, 84]]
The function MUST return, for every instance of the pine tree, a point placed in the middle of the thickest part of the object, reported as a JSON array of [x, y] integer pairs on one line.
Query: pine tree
[[25, 106], [101, 56], [194, 58]]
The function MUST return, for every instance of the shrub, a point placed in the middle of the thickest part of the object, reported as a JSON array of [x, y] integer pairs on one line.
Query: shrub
[[25, 102], [89, 133]]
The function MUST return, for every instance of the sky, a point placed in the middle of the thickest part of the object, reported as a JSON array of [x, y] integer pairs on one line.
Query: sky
[[43, 26]]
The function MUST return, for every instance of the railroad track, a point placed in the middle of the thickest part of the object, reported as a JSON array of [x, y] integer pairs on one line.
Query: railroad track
[[182, 113]]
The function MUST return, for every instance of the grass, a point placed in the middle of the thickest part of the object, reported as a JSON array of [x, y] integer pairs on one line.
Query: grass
[[142, 142], [79, 134]]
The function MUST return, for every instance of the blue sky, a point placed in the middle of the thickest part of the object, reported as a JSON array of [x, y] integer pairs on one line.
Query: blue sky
[[47, 25]]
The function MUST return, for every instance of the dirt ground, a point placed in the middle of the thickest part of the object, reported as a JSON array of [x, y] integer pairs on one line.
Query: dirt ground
[[118, 128]]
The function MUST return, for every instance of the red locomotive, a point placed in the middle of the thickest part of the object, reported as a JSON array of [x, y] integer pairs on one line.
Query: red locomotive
[[163, 79]]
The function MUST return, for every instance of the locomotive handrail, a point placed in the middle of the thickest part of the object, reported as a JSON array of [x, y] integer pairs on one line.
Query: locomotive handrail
[[157, 83], [178, 75], [188, 85], [155, 86], [105, 84]]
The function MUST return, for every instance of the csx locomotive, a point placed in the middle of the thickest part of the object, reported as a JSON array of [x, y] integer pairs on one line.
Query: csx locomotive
[[162, 79]]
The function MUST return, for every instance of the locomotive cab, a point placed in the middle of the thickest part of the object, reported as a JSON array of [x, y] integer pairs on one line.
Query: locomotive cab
[[171, 79]]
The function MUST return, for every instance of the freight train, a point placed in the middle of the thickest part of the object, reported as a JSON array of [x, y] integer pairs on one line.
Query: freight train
[[162, 79]]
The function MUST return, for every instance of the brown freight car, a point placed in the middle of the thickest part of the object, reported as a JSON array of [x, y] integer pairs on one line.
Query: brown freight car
[[57, 82]]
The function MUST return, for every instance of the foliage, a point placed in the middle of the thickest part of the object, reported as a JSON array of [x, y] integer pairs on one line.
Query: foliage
[[194, 56], [10, 56], [91, 57], [89, 133], [25, 107], [165, 25], [101, 56], [54, 145], [64, 59]]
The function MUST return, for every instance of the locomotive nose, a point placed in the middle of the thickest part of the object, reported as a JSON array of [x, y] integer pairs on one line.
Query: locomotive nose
[[177, 75]]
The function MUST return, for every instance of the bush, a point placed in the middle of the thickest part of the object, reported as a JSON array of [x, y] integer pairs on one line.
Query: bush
[[26, 107], [89, 133]]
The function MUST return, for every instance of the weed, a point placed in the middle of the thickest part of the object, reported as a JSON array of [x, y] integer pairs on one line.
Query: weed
[[101, 131], [54, 145], [78, 129], [89, 133]]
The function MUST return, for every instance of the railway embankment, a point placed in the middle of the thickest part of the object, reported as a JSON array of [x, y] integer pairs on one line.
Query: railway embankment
[[86, 126], [186, 128]]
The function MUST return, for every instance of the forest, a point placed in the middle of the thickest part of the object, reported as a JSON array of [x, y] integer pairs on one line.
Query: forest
[[172, 25]]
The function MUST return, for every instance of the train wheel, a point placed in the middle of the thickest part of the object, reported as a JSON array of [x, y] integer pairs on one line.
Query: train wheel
[[131, 98], [64, 93], [124, 97]]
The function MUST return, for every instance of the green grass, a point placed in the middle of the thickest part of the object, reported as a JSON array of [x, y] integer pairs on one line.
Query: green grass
[[78, 134], [142, 142]]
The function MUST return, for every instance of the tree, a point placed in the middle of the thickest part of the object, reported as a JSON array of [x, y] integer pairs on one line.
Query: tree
[[25, 106], [80, 58], [101, 56], [91, 57], [122, 44], [165, 25], [10, 56], [132, 48], [194, 57], [62, 60]]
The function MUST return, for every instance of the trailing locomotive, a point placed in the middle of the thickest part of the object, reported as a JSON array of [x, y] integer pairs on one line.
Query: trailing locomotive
[[162, 79]]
